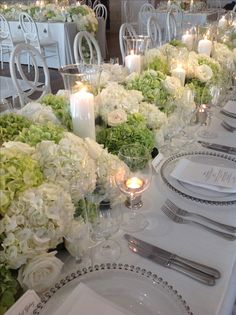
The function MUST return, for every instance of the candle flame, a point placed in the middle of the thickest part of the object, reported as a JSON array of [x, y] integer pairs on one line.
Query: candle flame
[[132, 52], [134, 183]]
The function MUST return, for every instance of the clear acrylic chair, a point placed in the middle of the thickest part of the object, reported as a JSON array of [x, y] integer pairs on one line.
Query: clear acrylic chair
[[126, 29], [34, 89], [100, 11], [171, 27], [30, 31], [154, 31], [86, 48], [96, 2], [7, 41], [143, 13], [179, 16]]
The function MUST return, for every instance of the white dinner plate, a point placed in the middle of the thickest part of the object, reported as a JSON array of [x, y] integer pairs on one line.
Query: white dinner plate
[[135, 289], [194, 192]]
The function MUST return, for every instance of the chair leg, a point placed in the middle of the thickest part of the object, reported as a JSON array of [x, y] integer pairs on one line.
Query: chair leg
[[58, 55], [1, 58]]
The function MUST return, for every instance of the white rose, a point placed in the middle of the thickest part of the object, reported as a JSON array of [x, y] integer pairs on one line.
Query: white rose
[[171, 84], [204, 73], [116, 117], [41, 272]]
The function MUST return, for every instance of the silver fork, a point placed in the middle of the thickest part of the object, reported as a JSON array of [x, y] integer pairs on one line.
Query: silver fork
[[174, 208], [228, 127], [174, 217]]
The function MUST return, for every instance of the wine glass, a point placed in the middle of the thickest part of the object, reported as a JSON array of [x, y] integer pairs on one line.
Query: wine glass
[[104, 220], [133, 181]]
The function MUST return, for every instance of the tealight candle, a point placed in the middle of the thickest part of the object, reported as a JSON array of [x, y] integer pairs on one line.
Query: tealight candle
[[187, 39], [133, 62], [202, 114], [179, 73], [222, 22], [204, 46], [134, 183], [82, 112]]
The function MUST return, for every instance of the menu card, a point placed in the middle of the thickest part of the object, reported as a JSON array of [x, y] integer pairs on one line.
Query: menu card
[[84, 300], [230, 107], [217, 178]]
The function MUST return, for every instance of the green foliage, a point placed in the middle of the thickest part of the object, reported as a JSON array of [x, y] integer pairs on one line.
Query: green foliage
[[158, 64], [130, 132], [60, 107], [9, 288], [177, 43], [201, 91], [37, 133], [11, 125]]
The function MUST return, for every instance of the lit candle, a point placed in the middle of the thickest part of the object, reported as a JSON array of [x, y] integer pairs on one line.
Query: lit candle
[[42, 4], [204, 46], [179, 73], [191, 7], [133, 62], [187, 39], [37, 3], [222, 22], [134, 184], [202, 114], [5, 6], [168, 4], [82, 112]]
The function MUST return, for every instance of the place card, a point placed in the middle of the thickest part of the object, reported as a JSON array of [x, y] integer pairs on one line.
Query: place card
[[230, 107], [156, 162], [212, 177], [25, 305]]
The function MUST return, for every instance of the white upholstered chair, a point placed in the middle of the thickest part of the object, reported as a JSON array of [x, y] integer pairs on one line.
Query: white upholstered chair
[[126, 29], [86, 48], [35, 89], [101, 14], [7, 41], [154, 31], [47, 47]]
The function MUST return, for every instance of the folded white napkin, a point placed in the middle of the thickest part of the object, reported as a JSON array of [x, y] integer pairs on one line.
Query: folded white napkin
[[230, 107], [84, 301], [215, 178]]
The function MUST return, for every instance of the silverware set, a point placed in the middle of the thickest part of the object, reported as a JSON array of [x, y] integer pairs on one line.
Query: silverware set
[[178, 215], [218, 147], [195, 270]]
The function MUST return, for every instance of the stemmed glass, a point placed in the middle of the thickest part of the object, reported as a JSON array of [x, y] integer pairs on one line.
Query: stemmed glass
[[133, 181], [214, 93], [104, 220]]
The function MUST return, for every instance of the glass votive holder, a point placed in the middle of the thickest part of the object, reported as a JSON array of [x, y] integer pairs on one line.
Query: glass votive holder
[[135, 48], [82, 83]]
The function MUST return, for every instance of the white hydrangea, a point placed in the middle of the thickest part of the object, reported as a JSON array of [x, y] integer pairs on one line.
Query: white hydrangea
[[172, 85], [155, 118], [115, 96], [115, 73], [68, 164], [35, 222], [224, 56], [39, 113], [204, 73]]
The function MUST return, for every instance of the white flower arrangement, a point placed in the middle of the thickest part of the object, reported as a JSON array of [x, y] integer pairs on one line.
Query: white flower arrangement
[[115, 96], [224, 56], [35, 222], [116, 117], [204, 73], [155, 118], [41, 272], [172, 85], [68, 164]]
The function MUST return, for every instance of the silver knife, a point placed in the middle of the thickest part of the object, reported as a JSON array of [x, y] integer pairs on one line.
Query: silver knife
[[184, 269], [218, 147], [173, 257], [228, 114]]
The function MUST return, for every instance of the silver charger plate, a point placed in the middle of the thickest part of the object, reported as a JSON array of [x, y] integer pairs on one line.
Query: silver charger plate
[[134, 289], [196, 193]]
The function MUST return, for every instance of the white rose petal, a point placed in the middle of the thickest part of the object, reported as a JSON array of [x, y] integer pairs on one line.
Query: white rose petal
[[41, 272]]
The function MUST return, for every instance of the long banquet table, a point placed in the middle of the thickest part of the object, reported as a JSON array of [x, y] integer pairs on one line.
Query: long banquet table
[[63, 33], [190, 242]]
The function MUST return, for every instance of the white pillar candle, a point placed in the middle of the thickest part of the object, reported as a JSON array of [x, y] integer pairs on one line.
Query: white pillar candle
[[179, 73], [168, 4], [222, 22], [133, 62], [191, 7], [187, 39], [82, 112], [204, 46]]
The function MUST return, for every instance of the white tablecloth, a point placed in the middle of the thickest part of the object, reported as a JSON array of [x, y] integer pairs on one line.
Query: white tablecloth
[[63, 33], [198, 18], [190, 242]]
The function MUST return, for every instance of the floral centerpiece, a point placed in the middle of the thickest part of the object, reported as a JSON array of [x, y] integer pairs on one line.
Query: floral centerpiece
[[82, 15]]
